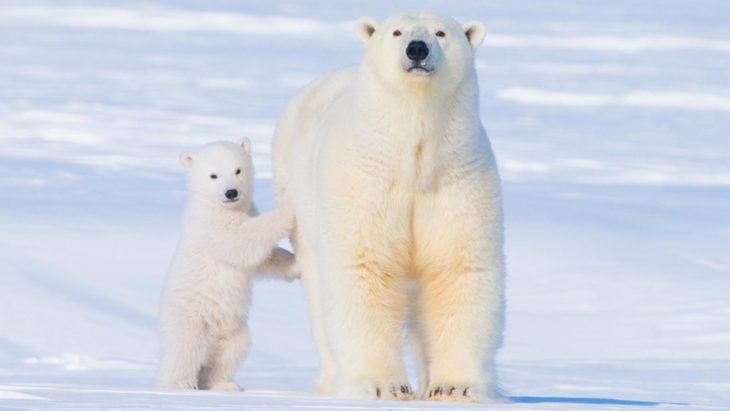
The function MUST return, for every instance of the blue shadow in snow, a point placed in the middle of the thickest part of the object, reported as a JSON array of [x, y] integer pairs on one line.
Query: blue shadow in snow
[[579, 400]]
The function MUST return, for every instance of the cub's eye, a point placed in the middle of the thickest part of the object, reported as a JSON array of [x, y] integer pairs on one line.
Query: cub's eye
[[397, 33], [238, 171], [440, 34], [213, 176]]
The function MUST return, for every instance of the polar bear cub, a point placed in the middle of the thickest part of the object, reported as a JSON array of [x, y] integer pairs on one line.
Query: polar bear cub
[[203, 331]]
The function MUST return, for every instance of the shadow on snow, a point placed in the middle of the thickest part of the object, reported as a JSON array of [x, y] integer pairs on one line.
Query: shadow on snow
[[583, 400]]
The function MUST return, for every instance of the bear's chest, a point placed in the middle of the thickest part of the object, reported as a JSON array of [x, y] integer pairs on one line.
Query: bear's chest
[[407, 160], [413, 148]]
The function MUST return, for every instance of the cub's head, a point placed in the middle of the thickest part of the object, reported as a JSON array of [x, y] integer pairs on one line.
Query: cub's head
[[221, 172], [420, 49]]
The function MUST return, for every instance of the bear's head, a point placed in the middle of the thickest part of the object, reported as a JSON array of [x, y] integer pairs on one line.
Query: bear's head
[[220, 173], [424, 50]]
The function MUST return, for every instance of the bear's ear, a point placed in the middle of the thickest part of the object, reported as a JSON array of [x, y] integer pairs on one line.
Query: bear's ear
[[365, 28], [186, 159], [474, 31], [245, 144]]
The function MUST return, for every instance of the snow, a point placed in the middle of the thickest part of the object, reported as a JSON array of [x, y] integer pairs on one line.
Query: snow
[[609, 122], [612, 43], [161, 19], [668, 99]]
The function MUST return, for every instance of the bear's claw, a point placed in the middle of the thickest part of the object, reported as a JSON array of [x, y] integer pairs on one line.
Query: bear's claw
[[452, 392], [380, 390]]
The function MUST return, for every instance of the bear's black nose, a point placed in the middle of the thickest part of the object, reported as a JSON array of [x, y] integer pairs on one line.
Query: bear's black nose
[[231, 194], [417, 50]]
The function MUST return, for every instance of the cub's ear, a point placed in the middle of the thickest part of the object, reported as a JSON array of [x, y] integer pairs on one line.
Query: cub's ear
[[245, 144], [365, 28], [474, 31], [186, 159]]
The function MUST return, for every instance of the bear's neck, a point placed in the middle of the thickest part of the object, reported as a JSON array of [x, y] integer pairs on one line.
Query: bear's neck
[[418, 110], [419, 134]]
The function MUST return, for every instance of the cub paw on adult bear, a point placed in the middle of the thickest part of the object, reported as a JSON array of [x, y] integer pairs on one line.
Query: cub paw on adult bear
[[399, 214]]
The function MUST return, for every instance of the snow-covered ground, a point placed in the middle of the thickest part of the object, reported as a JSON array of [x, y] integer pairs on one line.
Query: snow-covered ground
[[610, 120]]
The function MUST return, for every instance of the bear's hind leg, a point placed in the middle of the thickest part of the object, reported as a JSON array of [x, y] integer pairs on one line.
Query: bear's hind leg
[[225, 356], [184, 348], [307, 262]]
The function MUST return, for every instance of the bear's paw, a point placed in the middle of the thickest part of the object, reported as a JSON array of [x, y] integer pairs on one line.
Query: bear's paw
[[375, 389], [455, 392], [225, 386]]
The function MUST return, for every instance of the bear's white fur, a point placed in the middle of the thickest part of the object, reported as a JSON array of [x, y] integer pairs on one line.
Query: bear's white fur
[[203, 331], [399, 215]]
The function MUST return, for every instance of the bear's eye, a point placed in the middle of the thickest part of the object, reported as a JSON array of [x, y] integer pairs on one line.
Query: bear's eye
[[238, 171], [397, 33], [213, 176], [440, 34]]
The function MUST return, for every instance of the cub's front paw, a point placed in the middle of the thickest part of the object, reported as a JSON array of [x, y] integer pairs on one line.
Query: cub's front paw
[[374, 389], [292, 273], [287, 218]]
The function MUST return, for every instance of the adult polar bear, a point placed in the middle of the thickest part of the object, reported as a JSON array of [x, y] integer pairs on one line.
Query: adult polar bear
[[399, 215]]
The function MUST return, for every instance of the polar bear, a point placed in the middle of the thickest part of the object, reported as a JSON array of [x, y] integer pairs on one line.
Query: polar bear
[[399, 215], [203, 332]]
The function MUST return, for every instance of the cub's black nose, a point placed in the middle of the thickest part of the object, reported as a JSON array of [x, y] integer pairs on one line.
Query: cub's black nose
[[231, 194], [417, 50]]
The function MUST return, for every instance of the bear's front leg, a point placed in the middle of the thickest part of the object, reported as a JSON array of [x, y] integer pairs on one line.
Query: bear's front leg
[[281, 263], [461, 303], [463, 324], [364, 323], [365, 301], [361, 241]]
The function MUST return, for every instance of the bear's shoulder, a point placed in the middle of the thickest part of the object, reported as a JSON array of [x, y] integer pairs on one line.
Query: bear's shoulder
[[329, 86]]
